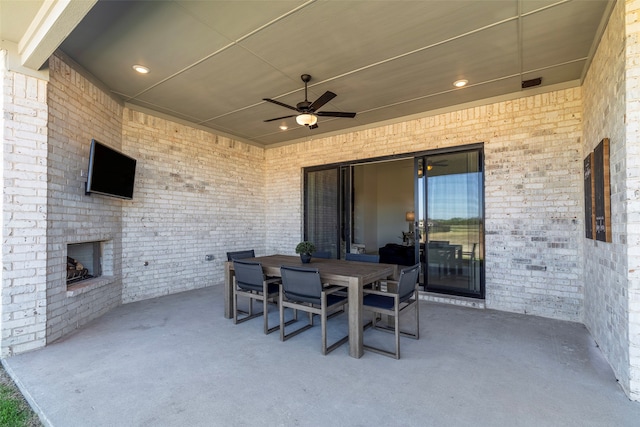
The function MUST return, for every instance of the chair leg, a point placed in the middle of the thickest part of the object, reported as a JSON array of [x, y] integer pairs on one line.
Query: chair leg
[[417, 318], [326, 349], [284, 336], [281, 307], [235, 307], [416, 334], [323, 327], [397, 333], [250, 315], [265, 314], [283, 324]]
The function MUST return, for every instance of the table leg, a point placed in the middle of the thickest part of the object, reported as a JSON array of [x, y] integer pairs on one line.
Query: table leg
[[228, 291], [355, 318]]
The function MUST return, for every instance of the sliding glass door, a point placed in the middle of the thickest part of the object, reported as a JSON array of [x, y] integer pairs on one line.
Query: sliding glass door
[[450, 219], [425, 208]]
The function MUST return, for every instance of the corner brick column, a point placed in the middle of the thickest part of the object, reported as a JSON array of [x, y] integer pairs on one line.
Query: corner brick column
[[23, 128]]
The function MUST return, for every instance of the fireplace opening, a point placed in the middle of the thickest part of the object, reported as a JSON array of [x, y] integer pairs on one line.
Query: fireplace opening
[[83, 261]]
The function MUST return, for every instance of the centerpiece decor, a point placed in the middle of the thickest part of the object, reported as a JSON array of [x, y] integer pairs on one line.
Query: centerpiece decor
[[305, 249]]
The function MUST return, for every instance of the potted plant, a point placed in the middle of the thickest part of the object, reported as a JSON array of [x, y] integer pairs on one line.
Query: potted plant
[[305, 249]]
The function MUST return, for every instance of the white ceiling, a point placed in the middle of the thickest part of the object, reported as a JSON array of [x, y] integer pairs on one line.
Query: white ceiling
[[212, 62]]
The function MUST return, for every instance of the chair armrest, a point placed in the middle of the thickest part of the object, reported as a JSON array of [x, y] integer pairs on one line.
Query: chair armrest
[[333, 289], [383, 293]]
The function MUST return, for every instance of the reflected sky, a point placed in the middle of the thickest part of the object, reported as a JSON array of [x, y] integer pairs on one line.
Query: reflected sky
[[452, 196]]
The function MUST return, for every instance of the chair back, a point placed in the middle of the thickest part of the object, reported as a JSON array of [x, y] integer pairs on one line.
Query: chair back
[[407, 282], [322, 254], [301, 284], [362, 257], [249, 275], [250, 253], [472, 254]]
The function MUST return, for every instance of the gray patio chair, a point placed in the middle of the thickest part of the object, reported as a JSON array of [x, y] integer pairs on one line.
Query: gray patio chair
[[362, 257], [321, 254], [400, 296], [249, 253], [302, 289], [250, 281]]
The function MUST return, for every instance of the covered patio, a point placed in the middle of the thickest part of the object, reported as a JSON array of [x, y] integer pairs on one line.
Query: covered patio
[[176, 361]]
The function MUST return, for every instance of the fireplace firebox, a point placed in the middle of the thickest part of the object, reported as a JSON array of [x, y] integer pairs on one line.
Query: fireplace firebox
[[83, 261]]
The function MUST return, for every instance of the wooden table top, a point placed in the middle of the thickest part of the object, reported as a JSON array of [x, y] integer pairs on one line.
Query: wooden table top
[[333, 270]]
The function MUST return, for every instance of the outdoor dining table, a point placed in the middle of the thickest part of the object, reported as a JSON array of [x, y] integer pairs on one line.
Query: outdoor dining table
[[352, 274]]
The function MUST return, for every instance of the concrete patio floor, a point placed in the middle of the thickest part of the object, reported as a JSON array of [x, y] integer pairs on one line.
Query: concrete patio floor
[[176, 361]]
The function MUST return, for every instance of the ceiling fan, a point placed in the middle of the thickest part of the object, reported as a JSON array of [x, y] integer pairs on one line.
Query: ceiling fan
[[431, 165], [308, 111], [439, 163]]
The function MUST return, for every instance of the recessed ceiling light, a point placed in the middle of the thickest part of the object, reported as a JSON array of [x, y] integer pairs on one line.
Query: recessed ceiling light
[[460, 83], [284, 127], [141, 69]]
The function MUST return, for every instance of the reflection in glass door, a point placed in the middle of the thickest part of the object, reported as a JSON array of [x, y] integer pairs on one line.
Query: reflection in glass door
[[449, 222]]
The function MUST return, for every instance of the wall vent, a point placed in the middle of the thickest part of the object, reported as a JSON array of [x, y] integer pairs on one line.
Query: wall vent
[[531, 83]]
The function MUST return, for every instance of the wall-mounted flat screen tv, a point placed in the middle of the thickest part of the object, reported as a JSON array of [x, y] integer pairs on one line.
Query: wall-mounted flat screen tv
[[111, 173]]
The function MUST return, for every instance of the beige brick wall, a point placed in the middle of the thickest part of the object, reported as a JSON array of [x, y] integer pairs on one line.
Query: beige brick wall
[[533, 160], [196, 194], [605, 266], [79, 110], [23, 129], [632, 190]]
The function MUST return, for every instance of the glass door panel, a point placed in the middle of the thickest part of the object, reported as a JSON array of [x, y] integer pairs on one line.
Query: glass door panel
[[452, 185], [322, 210]]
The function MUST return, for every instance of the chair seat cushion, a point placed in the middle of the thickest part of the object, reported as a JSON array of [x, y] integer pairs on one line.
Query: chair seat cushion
[[379, 301], [334, 299], [331, 299], [272, 288]]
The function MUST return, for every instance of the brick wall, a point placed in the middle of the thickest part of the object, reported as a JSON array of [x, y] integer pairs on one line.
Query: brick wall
[[79, 110], [533, 191], [605, 264], [632, 190], [196, 194], [23, 130]]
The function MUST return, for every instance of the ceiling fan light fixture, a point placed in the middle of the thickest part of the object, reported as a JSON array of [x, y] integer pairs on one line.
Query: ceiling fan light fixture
[[307, 119], [307, 112]]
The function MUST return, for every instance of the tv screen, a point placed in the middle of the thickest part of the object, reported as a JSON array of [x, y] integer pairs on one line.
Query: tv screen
[[111, 173]]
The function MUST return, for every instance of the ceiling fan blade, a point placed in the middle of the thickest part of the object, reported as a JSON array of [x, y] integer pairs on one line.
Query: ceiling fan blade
[[326, 97], [335, 114], [280, 118], [280, 104]]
